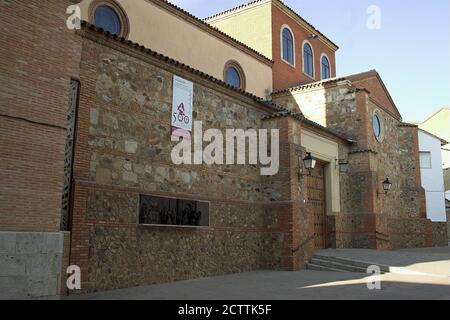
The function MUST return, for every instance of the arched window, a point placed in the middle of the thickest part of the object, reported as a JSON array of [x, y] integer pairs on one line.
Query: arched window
[[233, 78], [288, 46], [234, 75], [308, 63], [107, 18], [326, 73]]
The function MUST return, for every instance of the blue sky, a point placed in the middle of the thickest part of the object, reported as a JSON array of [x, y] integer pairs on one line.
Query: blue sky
[[411, 51]]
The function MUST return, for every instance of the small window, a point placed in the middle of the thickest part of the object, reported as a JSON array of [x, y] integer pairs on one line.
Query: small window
[[108, 19], [233, 78], [326, 74], [308, 63], [234, 75], [425, 160], [376, 126], [288, 46]]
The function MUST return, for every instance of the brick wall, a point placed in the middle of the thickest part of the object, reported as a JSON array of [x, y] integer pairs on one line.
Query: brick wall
[[285, 75], [39, 55]]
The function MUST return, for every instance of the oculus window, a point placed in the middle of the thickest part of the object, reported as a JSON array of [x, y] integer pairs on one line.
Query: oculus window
[[108, 19], [234, 75], [376, 126]]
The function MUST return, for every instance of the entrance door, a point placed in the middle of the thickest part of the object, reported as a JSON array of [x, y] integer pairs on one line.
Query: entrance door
[[316, 197]]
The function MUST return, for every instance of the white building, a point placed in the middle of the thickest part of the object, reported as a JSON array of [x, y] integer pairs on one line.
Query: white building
[[432, 175], [439, 124]]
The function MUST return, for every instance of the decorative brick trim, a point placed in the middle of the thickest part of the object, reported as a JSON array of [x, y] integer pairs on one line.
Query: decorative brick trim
[[363, 151]]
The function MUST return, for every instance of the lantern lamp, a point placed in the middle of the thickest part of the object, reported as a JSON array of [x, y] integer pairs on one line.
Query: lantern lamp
[[387, 184], [310, 162]]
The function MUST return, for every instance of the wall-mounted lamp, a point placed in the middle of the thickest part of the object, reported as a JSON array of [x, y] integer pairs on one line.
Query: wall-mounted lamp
[[310, 162], [387, 185], [343, 165]]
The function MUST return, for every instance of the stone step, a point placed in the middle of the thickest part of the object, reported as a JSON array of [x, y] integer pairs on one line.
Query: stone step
[[337, 265], [352, 262], [315, 267]]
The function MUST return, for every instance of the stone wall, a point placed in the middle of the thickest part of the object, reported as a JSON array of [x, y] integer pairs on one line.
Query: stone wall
[[448, 223], [440, 235], [123, 150], [369, 218], [30, 264]]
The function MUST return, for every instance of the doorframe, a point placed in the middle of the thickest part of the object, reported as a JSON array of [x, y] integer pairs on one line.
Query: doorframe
[[324, 164]]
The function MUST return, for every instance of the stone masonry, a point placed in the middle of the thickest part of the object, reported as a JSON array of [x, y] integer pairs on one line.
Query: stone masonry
[[30, 264], [369, 218], [123, 150]]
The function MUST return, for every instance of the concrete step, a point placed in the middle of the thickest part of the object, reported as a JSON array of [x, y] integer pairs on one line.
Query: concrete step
[[338, 265], [315, 267], [351, 262]]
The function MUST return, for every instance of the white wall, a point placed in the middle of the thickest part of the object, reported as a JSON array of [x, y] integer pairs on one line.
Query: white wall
[[433, 179]]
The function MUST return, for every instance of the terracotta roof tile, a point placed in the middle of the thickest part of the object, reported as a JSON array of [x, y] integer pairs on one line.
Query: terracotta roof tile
[[278, 111], [88, 26]]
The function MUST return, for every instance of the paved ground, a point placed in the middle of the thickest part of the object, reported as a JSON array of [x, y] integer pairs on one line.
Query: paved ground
[[425, 261], [431, 281]]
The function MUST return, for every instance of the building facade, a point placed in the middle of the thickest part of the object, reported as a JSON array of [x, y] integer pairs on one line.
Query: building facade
[[176, 33], [433, 179], [438, 124], [432, 175], [301, 53], [87, 176]]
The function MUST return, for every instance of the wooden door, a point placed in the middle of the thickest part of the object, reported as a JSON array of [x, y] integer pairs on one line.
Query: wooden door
[[316, 197]]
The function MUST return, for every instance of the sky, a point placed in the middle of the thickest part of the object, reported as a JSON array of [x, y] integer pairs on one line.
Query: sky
[[410, 50]]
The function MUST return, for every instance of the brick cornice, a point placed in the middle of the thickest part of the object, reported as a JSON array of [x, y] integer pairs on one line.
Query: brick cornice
[[363, 151], [317, 128]]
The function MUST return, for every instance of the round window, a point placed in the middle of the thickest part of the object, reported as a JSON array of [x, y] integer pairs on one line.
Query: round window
[[233, 78], [107, 19], [376, 126]]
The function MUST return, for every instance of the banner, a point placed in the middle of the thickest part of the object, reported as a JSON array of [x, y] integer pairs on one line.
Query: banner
[[182, 101]]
